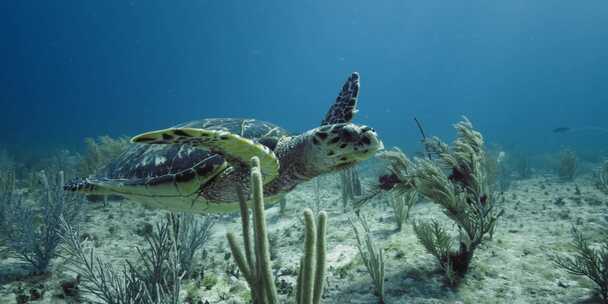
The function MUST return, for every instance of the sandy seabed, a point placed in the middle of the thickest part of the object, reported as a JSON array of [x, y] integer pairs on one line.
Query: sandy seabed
[[513, 267]]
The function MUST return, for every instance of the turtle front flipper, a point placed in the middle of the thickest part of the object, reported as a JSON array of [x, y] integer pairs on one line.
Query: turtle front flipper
[[235, 149], [345, 107]]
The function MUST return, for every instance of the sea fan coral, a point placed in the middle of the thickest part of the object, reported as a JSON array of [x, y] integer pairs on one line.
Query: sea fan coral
[[32, 231]]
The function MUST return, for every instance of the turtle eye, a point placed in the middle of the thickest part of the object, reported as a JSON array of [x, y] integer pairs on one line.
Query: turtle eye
[[322, 135], [366, 128], [348, 133]]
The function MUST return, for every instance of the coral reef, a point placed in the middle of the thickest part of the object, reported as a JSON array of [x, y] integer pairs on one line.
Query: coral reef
[[123, 256], [511, 268]]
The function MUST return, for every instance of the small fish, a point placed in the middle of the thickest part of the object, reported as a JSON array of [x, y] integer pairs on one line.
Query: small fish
[[561, 130]]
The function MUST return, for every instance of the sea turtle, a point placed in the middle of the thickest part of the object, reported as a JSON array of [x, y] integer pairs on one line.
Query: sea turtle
[[196, 166]]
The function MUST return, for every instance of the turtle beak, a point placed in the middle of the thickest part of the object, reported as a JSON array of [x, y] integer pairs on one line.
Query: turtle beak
[[371, 137]]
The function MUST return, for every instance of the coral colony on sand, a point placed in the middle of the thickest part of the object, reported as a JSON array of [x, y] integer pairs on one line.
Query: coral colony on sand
[[465, 196], [372, 258], [162, 264], [31, 232], [254, 261], [457, 182], [588, 261]]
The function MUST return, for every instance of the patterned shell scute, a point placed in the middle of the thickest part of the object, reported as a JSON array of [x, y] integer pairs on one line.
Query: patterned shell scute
[[158, 163]]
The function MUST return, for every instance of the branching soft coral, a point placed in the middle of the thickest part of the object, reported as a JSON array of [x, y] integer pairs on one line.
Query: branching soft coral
[[398, 179], [587, 261], [457, 181], [31, 230], [400, 169], [464, 195]]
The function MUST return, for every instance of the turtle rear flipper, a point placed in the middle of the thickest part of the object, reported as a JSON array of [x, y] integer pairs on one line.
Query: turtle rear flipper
[[92, 188], [93, 192], [345, 107], [81, 185], [237, 150]]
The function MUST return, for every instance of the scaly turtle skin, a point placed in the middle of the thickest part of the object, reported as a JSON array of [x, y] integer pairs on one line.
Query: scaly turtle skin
[[196, 166]]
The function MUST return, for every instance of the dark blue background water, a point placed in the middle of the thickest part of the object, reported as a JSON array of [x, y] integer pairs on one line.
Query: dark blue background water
[[517, 69]]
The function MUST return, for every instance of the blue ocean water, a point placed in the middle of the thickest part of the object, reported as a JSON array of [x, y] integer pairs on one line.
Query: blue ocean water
[[518, 69]]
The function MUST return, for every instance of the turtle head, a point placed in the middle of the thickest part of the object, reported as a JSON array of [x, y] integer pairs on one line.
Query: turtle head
[[339, 146]]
